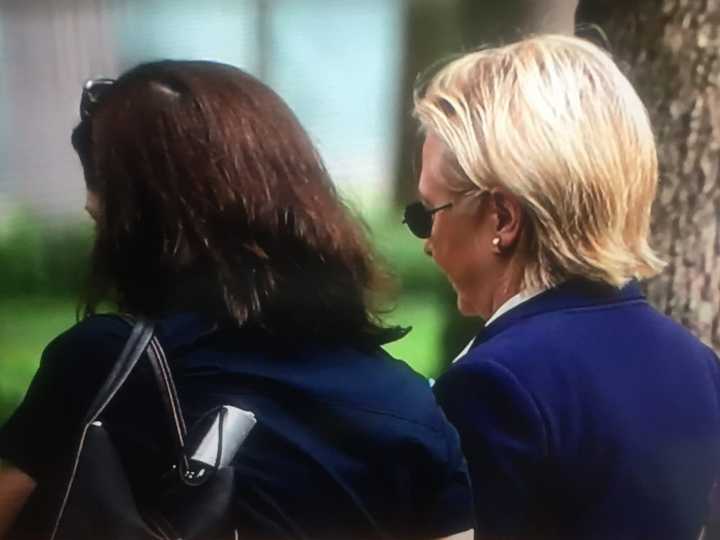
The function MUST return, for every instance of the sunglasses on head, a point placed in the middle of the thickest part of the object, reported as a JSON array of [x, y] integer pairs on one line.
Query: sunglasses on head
[[92, 91], [420, 219]]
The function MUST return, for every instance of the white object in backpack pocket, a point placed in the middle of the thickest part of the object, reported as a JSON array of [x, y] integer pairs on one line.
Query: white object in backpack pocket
[[228, 431]]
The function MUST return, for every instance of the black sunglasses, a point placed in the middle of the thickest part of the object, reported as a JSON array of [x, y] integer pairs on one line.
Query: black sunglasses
[[420, 219], [92, 91]]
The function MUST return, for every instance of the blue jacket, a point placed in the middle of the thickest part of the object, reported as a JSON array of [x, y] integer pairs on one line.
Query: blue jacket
[[585, 413]]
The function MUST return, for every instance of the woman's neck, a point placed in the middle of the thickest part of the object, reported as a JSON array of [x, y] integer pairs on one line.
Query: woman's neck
[[508, 285], [502, 294]]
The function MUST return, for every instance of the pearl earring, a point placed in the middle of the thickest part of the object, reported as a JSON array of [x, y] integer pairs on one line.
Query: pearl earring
[[496, 241]]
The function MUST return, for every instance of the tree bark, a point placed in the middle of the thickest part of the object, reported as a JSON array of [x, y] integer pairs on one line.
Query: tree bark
[[671, 49]]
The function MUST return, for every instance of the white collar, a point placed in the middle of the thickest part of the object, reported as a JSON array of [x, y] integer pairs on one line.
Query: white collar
[[511, 303]]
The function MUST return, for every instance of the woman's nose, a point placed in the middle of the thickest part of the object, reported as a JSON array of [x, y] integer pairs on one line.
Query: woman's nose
[[427, 248]]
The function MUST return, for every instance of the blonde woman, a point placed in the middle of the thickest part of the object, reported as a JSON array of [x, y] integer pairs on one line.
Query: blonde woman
[[583, 412]]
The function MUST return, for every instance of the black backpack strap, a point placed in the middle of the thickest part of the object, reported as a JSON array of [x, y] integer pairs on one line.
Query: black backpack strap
[[140, 337], [163, 377], [168, 392], [139, 340]]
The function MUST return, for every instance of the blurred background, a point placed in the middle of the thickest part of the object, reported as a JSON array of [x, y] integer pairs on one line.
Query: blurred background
[[347, 68]]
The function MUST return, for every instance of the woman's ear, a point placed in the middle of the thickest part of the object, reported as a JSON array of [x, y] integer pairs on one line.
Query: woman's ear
[[509, 217]]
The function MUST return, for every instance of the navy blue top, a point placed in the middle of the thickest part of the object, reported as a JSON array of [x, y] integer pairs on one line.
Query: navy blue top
[[349, 443], [584, 413]]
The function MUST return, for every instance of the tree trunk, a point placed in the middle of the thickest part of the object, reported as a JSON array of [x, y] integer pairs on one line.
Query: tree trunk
[[431, 34], [671, 49], [495, 22]]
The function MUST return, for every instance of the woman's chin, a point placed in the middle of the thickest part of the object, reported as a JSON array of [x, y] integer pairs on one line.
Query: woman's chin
[[467, 307]]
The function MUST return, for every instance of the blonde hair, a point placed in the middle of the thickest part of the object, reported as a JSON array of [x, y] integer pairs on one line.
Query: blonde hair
[[553, 120]]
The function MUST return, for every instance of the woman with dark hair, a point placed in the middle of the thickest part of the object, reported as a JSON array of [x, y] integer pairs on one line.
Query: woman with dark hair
[[217, 219]]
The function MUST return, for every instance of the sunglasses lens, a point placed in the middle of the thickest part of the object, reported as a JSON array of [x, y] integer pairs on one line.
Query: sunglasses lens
[[418, 220], [91, 94]]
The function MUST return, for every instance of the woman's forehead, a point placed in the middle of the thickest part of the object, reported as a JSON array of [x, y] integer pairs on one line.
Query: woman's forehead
[[437, 168]]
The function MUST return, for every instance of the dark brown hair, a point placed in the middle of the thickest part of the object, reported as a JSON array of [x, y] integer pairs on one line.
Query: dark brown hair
[[213, 197]]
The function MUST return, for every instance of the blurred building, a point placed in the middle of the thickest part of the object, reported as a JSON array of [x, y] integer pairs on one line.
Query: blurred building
[[337, 62]]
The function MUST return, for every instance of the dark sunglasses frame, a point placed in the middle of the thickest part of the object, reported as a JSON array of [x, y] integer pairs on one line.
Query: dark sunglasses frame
[[420, 219], [92, 91]]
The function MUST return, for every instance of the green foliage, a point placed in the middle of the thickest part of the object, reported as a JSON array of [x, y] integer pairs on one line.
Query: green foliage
[[42, 268], [27, 324], [42, 258]]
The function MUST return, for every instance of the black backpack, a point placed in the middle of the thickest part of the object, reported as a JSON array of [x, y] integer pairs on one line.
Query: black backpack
[[90, 496]]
